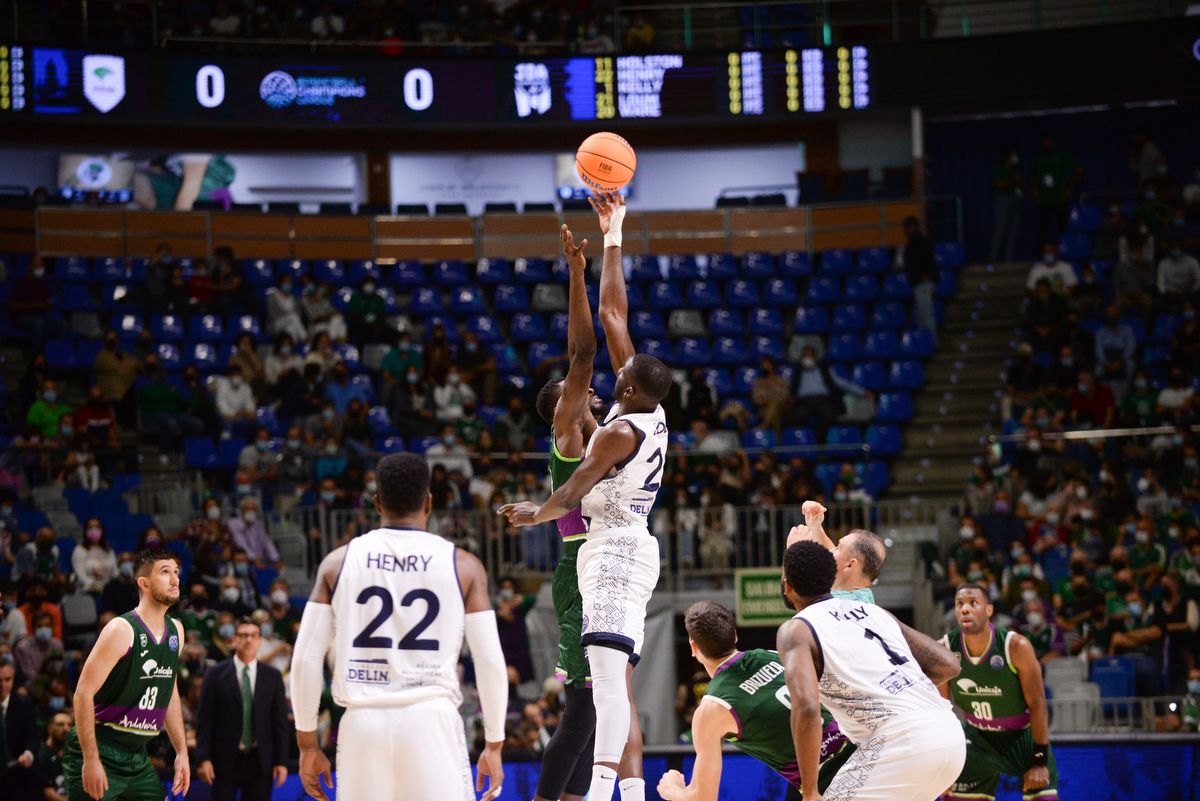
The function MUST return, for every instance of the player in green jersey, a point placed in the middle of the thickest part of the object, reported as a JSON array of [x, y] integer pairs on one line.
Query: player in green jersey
[[569, 406], [127, 694], [1003, 703], [859, 554], [747, 704]]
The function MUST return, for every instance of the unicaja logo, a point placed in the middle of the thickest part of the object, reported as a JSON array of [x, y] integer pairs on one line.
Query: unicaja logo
[[278, 89]]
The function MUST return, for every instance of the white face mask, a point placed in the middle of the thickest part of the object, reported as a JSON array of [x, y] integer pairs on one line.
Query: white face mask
[[214, 513], [966, 532], [1028, 595], [372, 487], [279, 597], [1035, 619], [230, 595], [250, 515]]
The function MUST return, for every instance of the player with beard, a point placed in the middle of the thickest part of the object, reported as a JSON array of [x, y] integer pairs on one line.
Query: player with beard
[[127, 694]]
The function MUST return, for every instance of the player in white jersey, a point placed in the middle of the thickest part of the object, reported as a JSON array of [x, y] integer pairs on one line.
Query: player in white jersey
[[616, 485], [877, 679], [394, 605]]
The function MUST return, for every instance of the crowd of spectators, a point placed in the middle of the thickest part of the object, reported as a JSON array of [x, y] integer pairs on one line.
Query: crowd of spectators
[[1091, 545]]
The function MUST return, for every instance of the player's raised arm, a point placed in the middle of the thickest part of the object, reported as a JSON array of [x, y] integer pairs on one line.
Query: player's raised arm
[[1029, 671], [798, 653], [581, 350], [812, 528], [614, 302], [711, 724], [612, 445], [936, 660], [491, 673], [112, 644]]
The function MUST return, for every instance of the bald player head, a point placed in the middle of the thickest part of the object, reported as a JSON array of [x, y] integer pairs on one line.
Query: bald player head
[[859, 556]]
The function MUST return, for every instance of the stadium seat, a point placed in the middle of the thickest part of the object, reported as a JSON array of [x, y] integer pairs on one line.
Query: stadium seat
[[60, 354], [297, 268], [409, 275], [869, 375], [884, 439], [341, 298], [129, 326], [917, 344], [647, 324], [811, 320], [766, 322], [759, 265], [203, 355], [823, 291], [719, 379], [1116, 676], [844, 347], [908, 375], [722, 266], [703, 295], [360, 270], [683, 268], [118, 298], [206, 328], [780, 293], [426, 300], [467, 300], [730, 351], [658, 348], [896, 287], [795, 264], [949, 255], [861, 289], [881, 345], [329, 271], [1085, 217], [528, 327], [87, 350], [506, 359], [75, 298], [349, 355], [894, 407], [266, 417], [849, 317], [741, 293], [511, 298], [199, 453], [539, 352], [767, 347], [531, 271], [875, 477], [451, 274], [843, 435], [450, 209], [558, 325], [228, 451], [665, 295], [484, 327], [363, 382], [888, 316], [837, 262], [1164, 328], [387, 445], [758, 438], [604, 383], [168, 356], [491, 272], [388, 295], [874, 260], [73, 270], [644, 268], [245, 324], [743, 380], [550, 297], [798, 438], [947, 284], [692, 351], [560, 271], [112, 271]]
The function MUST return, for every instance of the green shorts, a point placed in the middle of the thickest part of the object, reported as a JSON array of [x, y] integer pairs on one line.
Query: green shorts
[[130, 775], [572, 663], [993, 753]]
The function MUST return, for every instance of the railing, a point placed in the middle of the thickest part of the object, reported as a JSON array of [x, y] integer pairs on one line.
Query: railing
[[1110, 715]]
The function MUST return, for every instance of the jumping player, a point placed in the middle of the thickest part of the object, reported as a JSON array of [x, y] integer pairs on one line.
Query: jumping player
[[1003, 703], [746, 704], [859, 554], [856, 660], [395, 604], [616, 484], [127, 694]]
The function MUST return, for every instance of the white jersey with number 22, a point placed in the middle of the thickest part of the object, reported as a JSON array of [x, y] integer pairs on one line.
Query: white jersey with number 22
[[624, 499]]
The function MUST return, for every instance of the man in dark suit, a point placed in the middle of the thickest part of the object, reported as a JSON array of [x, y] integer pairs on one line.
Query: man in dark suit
[[242, 730], [19, 741]]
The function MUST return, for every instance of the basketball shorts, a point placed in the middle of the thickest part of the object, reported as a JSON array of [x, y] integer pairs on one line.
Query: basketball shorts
[[618, 570], [991, 754], [915, 763], [130, 775], [404, 753], [572, 665]]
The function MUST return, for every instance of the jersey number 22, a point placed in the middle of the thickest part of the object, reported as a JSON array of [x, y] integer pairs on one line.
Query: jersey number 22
[[409, 642]]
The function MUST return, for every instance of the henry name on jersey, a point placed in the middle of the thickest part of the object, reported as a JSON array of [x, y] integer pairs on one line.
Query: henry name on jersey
[[388, 562]]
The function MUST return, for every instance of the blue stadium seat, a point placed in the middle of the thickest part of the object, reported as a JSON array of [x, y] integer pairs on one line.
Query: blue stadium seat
[[560, 271], [875, 477], [1085, 217], [167, 328], [884, 439], [796, 264], [539, 352], [759, 265], [888, 315], [691, 351], [341, 298], [485, 329], [811, 320], [916, 344], [528, 327], [635, 297], [798, 438], [908, 375], [266, 418], [861, 289], [426, 300], [349, 355], [389, 444], [203, 355], [874, 260], [827, 473], [780, 292], [843, 435], [228, 451], [422, 444], [511, 298], [506, 359], [849, 317], [531, 271], [869, 375], [823, 291], [206, 328], [766, 321], [360, 270], [881, 345], [658, 348], [741, 293], [758, 438], [111, 271], [949, 255], [665, 295], [896, 287], [844, 347], [722, 266], [451, 273], [491, 272], [726, 322], [388, 295], [703, 295], [1138, 326], [199, 453], [75, 298], [87, 350], [245, 324], [743, 380], [73, 270], [719, 379], [604, 383], [117, 298], [409, 275], [894, 407], [296, 268], [558, 325], [1116, 676], [1164, 327], [168, 356], [683, 267], [947, 284], [730, 351], [60, 354], [467, 300], [647, 324], [766, 347], [129, 326], [837, 262], [329, 271], [363, 382], [644, 268], [1155, 355]]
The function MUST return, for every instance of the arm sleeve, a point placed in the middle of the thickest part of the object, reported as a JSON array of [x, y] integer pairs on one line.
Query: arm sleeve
[[491, 675], [308, 663]]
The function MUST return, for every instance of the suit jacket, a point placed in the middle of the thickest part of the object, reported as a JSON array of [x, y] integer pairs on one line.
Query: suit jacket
[[21, 729], [219, 719]]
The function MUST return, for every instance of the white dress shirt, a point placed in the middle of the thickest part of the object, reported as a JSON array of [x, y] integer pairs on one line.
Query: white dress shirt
[[241, 666]]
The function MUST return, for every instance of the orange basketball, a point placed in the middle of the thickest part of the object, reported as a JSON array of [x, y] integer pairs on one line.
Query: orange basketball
[[605, 162]]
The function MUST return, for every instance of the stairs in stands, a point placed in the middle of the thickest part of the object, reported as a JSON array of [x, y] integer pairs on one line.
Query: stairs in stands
[[960, 404]]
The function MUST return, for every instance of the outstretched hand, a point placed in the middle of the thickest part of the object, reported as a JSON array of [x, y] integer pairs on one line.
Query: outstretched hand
[[520, 513], [573, 252], [610, 208]]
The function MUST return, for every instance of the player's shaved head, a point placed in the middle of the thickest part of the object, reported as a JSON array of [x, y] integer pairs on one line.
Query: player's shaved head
[[547, 399], [403, 482], [650, 377], [711, 627]]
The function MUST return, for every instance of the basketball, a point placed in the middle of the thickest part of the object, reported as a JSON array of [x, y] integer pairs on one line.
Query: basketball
[[605, 162]]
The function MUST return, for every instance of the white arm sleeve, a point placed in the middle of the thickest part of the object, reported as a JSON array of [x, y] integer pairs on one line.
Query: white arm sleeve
[[491, 674], [308, 663]]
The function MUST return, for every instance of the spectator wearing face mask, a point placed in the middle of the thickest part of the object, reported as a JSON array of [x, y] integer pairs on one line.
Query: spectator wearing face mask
[[1092, 404], [32, 651], [284, 617], [438, 356], [38, 560], [250, 535], [367, 313], [1178, 275], [819, 392], [32, 306], [257, 462], [283, 310], [229, 598], [450, 397], [36, 604], [245, 356], [340, 390], [273, 649], [1140, 641], [12, 622], [235, 403], [449, 453], [121, 593], [1053, 269], [1147, 558], [331, 463], [162, 410], [1044, 634], [319, 312], [78, 467], [1175, 400], [46, 412], [395, 366], [412, 410], [97, 424], [222, 638], [323, 354], [1056, 176], [1180, 617], [477, 366], [93, 560], [282, 361], [197, 614]]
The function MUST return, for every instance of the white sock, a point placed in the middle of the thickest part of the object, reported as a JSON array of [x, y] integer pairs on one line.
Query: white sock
[[603, 781], [633, 789]]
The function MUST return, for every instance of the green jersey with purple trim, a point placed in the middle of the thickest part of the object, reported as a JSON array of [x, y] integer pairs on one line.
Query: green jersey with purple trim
[[572, 664], [131, 705], [988, 690]]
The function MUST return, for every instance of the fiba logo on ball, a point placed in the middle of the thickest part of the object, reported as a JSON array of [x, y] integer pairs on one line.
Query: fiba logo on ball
[[605, 167], [278, 89]]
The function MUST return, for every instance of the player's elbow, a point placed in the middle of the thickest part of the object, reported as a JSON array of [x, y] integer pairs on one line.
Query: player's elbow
[[806, 709], [610, 316], [585, 352], [944, 669]]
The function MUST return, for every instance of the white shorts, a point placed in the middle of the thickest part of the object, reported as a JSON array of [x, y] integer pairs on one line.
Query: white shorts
[[404, 753], [917, 763], [618, 571]]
